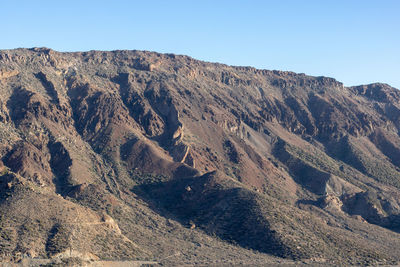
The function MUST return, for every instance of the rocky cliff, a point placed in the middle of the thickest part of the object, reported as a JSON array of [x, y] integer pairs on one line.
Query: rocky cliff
[[140, 155]]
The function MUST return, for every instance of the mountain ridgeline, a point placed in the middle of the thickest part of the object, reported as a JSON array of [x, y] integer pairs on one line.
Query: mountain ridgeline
[[133, 155]]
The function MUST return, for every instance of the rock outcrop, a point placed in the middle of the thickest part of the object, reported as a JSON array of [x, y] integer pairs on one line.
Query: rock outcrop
[[139, 155]]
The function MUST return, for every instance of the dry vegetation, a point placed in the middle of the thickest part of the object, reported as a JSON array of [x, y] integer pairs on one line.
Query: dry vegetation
[[132, 155]]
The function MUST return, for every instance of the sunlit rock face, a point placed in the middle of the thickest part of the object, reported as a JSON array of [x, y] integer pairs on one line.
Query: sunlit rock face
[[133, 155]]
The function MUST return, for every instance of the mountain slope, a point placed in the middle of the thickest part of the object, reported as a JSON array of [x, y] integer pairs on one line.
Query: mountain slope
[[140, 155]]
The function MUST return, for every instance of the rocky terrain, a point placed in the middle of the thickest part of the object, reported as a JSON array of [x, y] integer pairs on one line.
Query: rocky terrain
[[132, 155]]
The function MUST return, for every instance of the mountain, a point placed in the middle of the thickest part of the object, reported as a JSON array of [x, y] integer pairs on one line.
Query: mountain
[[133, 155]]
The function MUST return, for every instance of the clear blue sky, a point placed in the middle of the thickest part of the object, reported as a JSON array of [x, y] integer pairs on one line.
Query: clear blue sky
[[354, 41]]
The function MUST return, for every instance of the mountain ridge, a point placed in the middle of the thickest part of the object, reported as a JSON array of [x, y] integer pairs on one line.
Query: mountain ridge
[[243, 67], [206, 156]]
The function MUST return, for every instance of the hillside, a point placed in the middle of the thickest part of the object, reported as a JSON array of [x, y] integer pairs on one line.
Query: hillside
[[132, 155]]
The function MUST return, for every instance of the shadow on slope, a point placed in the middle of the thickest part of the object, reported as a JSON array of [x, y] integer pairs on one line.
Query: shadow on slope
[[218, 208]]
